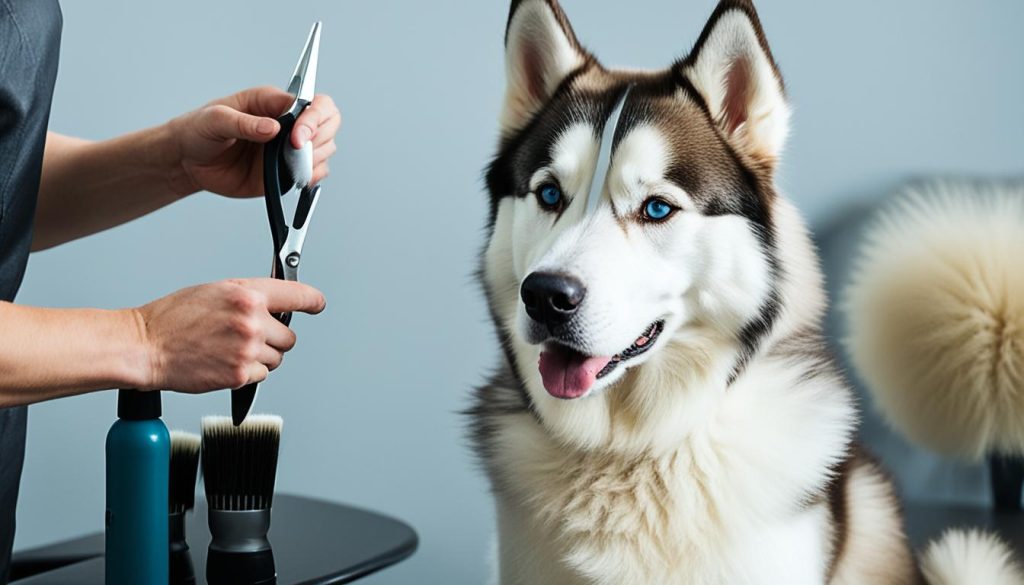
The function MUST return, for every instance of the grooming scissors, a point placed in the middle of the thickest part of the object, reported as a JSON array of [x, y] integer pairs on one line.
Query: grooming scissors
[[279, 180]]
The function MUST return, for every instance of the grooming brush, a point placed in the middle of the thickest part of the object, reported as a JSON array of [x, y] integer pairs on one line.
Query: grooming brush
[[239, 471], [184, 468]]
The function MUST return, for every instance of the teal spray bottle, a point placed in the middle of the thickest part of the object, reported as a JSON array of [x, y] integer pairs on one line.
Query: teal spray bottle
[[138, 463]]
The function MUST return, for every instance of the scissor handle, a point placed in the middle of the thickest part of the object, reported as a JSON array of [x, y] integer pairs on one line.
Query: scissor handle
[[277, 179]]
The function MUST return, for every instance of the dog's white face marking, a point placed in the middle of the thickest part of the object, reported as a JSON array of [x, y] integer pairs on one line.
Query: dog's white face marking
[[623, 264], [641, 277]]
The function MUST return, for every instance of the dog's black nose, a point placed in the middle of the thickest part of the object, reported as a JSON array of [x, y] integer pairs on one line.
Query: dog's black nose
[[551, 299]]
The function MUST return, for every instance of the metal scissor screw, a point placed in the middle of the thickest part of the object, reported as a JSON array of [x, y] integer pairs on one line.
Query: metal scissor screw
[[292, 259]]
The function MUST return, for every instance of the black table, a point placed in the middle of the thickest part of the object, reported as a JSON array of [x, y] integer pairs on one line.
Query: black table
[[315, 543]]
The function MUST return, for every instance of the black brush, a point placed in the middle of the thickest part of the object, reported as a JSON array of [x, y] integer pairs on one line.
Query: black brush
[[184, 470], [239, 471], [181, 499]]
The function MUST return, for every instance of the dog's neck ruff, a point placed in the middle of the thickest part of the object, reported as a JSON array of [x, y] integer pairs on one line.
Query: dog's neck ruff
[[604, 155]]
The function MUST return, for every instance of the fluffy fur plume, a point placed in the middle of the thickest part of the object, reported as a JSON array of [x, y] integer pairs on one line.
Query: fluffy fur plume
[[961, 557], [300, 163], [935, 313]]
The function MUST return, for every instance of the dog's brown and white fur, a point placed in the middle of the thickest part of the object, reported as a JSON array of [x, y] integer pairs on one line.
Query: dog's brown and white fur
[[722, 454]]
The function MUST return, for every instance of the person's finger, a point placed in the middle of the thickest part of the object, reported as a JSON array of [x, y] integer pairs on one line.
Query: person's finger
[[261, 101], [328, 129], [278, 335], [322, 153], [227, 123], [320, 173], [257, 373], [310, 119], [270, 357], [284, 296]]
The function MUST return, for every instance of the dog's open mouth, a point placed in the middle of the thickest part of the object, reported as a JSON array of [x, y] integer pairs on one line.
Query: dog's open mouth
[[568, 374]]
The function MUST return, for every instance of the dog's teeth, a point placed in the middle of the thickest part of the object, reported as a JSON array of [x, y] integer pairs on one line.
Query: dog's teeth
[[639, 346]]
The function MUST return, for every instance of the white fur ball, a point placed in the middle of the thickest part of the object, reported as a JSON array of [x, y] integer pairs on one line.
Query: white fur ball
[[935, 315], [300, 162], [959, 557]]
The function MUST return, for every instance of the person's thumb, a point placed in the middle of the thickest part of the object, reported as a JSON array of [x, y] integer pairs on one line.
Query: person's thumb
[[227, 122]]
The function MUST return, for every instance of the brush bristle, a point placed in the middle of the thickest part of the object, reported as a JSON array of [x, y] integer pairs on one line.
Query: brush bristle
[[184, 468], [935, 315], [240, 463]]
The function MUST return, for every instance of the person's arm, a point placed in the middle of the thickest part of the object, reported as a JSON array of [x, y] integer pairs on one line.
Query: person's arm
[[208, 337], [87, 187], [46, 353]]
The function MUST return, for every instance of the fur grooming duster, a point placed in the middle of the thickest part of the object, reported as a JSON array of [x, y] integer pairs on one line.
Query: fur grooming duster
[[935, 315], [970, 557]]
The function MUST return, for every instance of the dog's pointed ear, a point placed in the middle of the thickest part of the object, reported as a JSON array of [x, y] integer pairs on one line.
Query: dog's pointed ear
[[734, 71], [541, 50]]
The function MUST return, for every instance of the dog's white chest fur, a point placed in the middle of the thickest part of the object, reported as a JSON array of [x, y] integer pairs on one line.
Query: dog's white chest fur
[[734, 503]]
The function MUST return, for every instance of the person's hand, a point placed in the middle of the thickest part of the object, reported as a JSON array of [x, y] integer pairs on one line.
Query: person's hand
[[221, 335], [218, 147]]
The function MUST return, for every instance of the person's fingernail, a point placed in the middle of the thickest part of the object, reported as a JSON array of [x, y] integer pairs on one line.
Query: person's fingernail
[[265, 126], [305, 133]]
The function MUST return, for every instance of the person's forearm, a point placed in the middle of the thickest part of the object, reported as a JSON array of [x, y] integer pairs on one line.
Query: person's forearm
[[87, 187], [49, 353]]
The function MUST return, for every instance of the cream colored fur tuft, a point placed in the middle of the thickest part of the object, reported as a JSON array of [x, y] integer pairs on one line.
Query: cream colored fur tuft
[[959, 558], [936, 317]]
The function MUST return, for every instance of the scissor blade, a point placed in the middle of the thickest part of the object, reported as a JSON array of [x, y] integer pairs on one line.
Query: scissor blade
[[303, 84], [241, 402]]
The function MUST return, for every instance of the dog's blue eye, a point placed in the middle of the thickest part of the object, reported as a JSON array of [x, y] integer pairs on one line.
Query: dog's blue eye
[[550, 195], [657, 209]]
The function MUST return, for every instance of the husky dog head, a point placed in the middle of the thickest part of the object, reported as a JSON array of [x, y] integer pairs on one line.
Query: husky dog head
[[624, 315]]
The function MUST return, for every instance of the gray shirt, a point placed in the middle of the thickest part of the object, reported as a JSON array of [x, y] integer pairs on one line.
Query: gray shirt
[[29, 49]]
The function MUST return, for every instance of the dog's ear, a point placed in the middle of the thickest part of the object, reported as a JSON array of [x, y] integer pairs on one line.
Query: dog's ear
[[541, 50], [734, 71]]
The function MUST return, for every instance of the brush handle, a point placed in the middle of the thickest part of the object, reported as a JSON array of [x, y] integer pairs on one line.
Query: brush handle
[[239, 549], [182, 570], [224, 568], [239, 531]]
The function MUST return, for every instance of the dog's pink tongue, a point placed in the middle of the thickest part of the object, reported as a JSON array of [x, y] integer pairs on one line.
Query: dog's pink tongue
[[569, 374]]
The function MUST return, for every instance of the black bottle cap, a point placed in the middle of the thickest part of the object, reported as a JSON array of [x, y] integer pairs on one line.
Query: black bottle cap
[[138, 405]]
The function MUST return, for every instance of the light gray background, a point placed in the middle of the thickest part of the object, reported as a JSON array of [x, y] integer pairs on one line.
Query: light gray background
[[882, 90]]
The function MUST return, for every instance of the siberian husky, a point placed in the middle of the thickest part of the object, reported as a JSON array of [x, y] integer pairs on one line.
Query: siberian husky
[[665, 412]]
